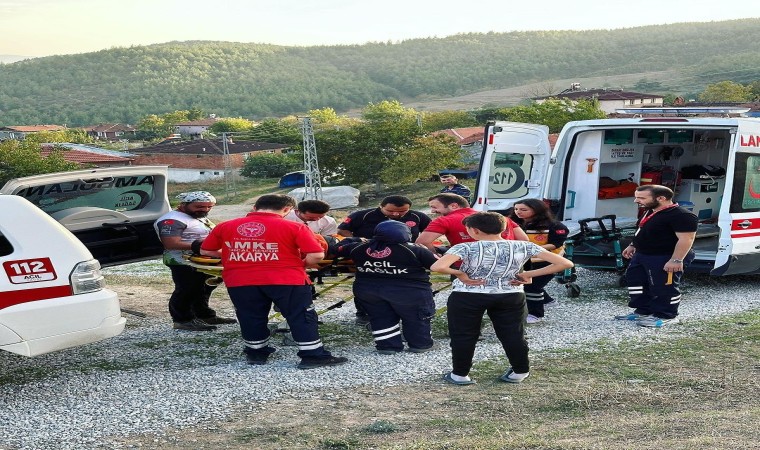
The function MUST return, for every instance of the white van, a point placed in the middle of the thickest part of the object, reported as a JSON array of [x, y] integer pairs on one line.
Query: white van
[[712, 164], [56, 231]]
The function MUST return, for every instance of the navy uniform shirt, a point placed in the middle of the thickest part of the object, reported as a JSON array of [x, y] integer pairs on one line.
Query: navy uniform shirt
[[458, 189], [401, 261], [362, 223]]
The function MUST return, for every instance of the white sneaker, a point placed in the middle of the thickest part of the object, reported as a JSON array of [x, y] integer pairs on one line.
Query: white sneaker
[[511, 377], [533, 319]]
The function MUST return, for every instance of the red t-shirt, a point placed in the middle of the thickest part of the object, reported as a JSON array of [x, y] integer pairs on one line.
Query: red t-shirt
[[451, 226], [262, 248]]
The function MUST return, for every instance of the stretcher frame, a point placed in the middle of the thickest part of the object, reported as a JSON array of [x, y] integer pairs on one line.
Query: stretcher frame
[[593, 245]]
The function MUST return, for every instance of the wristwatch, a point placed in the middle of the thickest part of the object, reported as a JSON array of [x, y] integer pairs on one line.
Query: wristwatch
[[680, 261]]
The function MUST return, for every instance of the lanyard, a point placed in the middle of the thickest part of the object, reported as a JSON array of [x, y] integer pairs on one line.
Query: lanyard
[[651, 214]]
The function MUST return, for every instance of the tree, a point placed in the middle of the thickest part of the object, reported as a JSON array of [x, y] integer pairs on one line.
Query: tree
[[231, 125], [282, 131], [554, 113], [443, 120], [23, 159], [271, 165], [726, 91], [421, 158]]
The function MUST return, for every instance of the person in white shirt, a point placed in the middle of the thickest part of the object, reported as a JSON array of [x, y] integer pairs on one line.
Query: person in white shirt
[[313, 213], [490, 281]]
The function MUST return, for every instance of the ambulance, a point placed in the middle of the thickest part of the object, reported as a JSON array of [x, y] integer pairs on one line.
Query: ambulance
[[710, 157], [56, 232]]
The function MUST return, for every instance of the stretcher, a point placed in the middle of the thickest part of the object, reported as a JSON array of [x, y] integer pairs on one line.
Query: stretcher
[[328, 275], [597, 244]]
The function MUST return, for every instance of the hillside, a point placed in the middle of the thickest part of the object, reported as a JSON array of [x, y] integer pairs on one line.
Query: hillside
[[258, 80]]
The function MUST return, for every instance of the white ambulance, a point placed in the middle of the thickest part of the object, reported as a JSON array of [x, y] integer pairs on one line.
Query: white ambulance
[[712, 164], [56, 231]]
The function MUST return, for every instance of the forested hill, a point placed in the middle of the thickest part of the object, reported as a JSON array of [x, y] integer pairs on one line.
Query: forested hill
[[257, 80]]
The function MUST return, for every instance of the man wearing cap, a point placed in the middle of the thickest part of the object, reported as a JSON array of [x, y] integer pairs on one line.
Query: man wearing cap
[[181, 232]]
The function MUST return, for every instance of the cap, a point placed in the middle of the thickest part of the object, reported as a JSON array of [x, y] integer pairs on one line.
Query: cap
[[196, 196]]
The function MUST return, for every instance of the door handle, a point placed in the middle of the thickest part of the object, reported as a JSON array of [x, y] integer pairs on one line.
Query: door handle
[[744, 225]]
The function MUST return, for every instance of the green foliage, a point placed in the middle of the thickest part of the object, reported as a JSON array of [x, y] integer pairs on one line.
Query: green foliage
[[359, 153], [554, 113], [421, 158], [271, 165], [443, 120], [726, 91], [231, 125], [285, 131], [23, 159], [257, 81]]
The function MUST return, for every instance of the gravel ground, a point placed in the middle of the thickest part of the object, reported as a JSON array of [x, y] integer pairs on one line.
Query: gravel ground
[[87, 397]]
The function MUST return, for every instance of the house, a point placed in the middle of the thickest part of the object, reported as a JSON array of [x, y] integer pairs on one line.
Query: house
[[470, 139], [111, 131], [201, 159], [195, 129], [609, 99], [20, 131], [87, 159]]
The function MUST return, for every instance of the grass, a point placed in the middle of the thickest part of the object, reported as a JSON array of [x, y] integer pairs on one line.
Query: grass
[[696, 391]]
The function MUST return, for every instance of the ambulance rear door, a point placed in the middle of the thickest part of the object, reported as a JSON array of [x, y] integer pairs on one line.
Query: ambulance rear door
[[739, 219], [513, 165], [111, 210]]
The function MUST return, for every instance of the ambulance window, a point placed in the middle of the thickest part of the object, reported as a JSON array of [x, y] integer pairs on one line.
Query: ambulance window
[[618, 136], [509, 173], [117, 194], [5, 247], [746, 194]]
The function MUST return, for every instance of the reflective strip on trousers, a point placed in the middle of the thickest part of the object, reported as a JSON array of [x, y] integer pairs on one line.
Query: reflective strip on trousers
[[381, 335], [313, 345], [256, 344], [534, 296]]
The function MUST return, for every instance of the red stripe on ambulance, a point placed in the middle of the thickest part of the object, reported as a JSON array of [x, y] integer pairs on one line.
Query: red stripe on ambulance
[[10, 298]]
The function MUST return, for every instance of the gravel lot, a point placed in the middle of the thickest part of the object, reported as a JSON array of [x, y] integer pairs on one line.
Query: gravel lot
[[152, 378]]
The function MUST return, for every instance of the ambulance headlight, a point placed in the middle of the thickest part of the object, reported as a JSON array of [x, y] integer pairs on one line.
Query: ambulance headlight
[[86, 277]]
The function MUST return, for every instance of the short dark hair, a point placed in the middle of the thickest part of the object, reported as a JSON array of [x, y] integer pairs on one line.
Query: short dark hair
[[274, 202], [397, 200], [447, 198], [657, 190], [486, 222], [314, 206]]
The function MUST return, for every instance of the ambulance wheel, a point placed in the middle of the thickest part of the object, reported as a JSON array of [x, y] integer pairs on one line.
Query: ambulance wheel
[[573, 290]]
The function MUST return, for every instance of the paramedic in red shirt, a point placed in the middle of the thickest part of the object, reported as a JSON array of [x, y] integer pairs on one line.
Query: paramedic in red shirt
[[264, 258], [452, 208]]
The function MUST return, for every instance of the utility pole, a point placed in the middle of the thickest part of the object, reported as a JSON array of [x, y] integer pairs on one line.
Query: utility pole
[[229, 177], [313, 179]]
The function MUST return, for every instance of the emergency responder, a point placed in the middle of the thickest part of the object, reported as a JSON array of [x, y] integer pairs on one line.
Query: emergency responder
[[392, 284]]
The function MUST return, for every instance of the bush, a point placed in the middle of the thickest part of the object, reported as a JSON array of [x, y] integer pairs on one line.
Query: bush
[[271, 165]]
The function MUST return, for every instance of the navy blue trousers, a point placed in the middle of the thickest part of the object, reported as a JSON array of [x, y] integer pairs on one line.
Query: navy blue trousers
[[507, 313], [649, 289], [191, 295], [390, 302], [252, 306], [535, 294]]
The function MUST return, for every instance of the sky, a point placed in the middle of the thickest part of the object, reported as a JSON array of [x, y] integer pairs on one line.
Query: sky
[[59, 27]]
